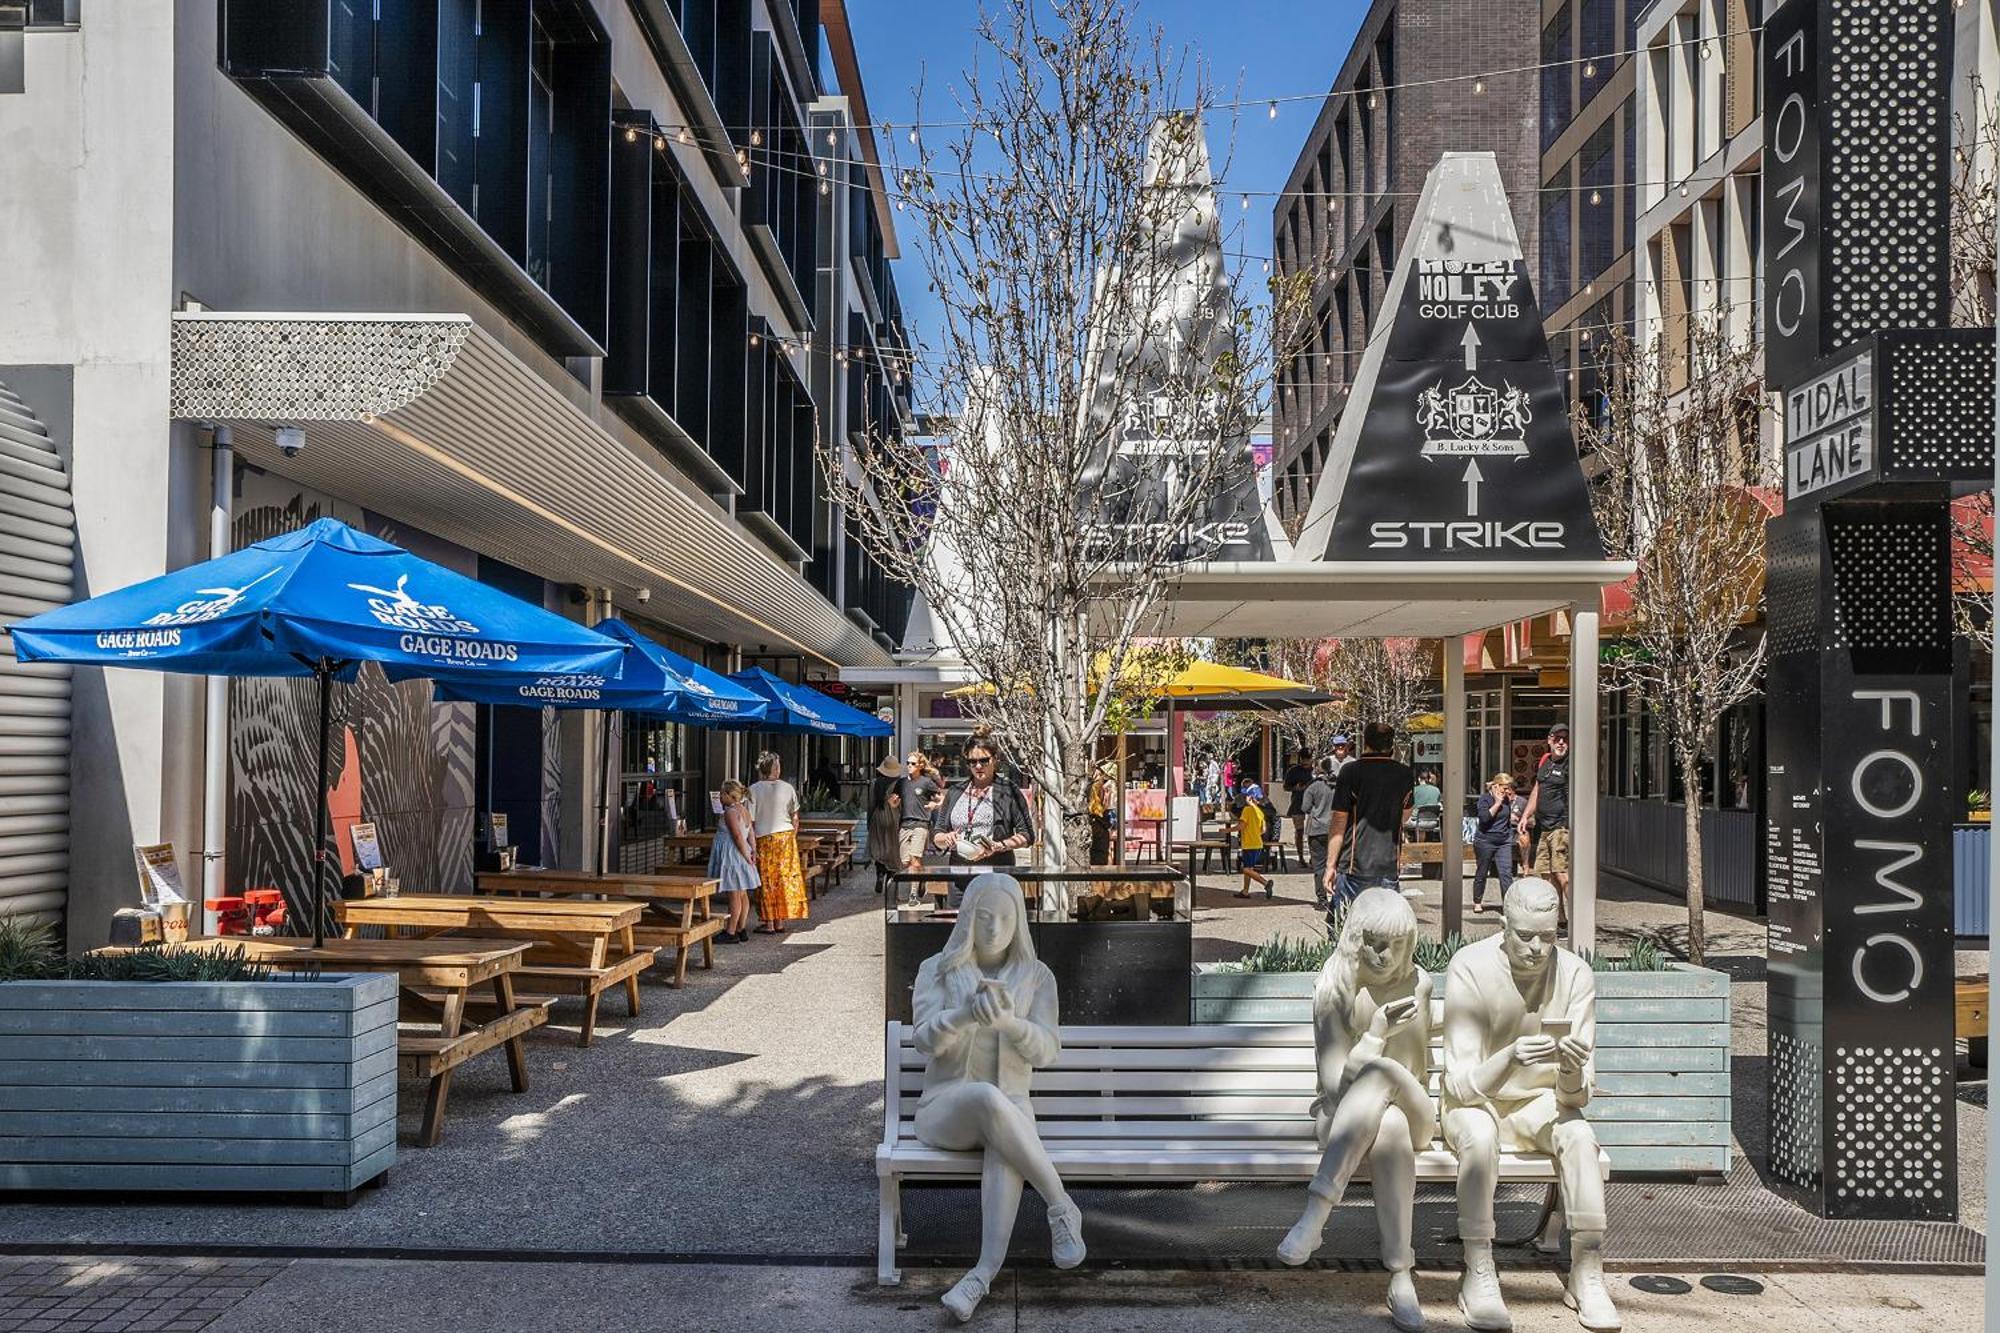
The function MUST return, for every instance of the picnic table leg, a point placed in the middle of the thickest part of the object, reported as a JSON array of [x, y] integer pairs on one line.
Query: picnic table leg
[[440, 1089], [593, 992], [631, 982], [517, 1056]]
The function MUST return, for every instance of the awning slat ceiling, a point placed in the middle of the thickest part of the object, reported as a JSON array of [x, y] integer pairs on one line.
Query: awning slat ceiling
[[487, 453]]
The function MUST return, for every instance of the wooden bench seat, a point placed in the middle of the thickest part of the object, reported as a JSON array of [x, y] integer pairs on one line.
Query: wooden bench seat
[[652, 934], [426, 1055], [590, 982], [1152, 1104]]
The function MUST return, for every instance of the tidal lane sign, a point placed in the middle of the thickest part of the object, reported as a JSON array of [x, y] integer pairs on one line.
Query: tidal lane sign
[[1456, 442], [1830, 428]]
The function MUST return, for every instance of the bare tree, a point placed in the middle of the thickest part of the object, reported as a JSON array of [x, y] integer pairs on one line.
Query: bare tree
[[1384, 680], [1219, 735], [1098, 372], [1676, 494]]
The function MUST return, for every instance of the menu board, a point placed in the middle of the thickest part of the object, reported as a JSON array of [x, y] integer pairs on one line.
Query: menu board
[[496, 826], [159, 875], [367, 850]]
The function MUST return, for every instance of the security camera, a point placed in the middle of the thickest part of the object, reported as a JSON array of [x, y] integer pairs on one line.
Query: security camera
[[291, 439], [644, 595]]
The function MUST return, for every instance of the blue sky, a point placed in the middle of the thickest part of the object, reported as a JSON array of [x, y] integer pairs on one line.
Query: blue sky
[[1273, 47]]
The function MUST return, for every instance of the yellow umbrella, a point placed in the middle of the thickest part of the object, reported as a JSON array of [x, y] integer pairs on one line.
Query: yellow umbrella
[[1218, 678]]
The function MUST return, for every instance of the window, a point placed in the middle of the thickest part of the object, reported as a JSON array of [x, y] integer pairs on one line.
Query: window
[[1597, 41], [541, 150], [1558, 103], [1555, 242], [1597, 186]]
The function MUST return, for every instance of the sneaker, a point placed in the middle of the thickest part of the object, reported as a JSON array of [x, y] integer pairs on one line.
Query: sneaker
[[964, 1298], [1066, 1235], [1405, 1312], [1299, 1243], [1479, 1294]]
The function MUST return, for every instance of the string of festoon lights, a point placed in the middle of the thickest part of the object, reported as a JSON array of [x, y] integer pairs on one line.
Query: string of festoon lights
[[1478, 82]]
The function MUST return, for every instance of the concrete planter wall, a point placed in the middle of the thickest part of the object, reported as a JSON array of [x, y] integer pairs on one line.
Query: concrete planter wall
[[286, 1084], [1662, 1100]]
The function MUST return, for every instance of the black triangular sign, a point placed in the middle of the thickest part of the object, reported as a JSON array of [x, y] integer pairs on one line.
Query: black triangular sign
[[1456, 443]]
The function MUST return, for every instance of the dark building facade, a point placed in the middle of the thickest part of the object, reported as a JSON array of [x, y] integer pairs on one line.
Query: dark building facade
[[1347, 202]]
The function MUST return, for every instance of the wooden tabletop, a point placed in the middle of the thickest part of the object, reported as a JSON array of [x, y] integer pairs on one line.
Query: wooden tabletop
[[670, 888], [450, 963], [565, 916]]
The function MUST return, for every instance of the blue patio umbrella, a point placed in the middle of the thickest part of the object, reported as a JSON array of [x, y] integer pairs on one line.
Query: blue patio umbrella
[[318, 602], [799, 708], [656, 681]]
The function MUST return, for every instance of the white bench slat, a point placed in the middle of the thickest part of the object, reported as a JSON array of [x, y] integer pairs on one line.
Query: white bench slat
[[1202, 1162], [1142, 1058], [1166, 1080]]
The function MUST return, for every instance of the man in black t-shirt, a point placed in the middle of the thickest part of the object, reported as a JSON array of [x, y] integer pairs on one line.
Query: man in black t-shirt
[[1547, 816], [1371, 799], [1298, 775]]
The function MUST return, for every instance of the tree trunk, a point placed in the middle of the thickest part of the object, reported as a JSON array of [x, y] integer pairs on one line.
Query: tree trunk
[[1691, 807]]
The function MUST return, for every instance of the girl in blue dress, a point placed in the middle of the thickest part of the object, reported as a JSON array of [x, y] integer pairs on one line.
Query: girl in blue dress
[[732, 862]]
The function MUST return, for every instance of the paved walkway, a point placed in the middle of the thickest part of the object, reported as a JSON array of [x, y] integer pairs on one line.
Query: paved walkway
[[734, 1122], [333, 1296]]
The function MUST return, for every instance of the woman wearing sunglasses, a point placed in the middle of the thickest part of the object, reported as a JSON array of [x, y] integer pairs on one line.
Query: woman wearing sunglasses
[[984, 820]]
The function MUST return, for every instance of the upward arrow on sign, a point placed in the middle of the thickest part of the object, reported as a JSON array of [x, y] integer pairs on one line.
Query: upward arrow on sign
[[1471, 344], [1472, 480]]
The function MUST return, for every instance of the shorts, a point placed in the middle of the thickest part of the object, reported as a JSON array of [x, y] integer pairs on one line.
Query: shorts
[[913, 841], [1347, 887], [1552, 852], [1251, 858]]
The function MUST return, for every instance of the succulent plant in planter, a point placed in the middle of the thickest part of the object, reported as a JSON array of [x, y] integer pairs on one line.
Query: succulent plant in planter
[[1979, 805]]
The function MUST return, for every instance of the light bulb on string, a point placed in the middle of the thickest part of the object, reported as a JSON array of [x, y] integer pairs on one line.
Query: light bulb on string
[[1479, 85], [825, 188], [1590, 69], [1246, 201], [1274, 111], [756, 138], [1372, 101], [913, 135], [822, 168], [685, 136], [660, 142], [756, 340], [1596, 198], [631, 135]]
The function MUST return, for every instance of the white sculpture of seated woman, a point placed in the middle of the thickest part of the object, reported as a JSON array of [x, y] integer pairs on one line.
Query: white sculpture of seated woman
[[1371, 1034], [986, 1016]]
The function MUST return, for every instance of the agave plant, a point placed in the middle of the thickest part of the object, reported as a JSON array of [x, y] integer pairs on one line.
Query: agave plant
[[28, 950]]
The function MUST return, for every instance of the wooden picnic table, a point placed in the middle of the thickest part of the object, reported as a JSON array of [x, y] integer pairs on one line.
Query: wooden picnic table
[[580, 947], [436, 981], [819, 855], [696, 923]]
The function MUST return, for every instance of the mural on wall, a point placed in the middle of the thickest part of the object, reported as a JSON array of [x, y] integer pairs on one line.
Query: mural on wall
[[395, 759]]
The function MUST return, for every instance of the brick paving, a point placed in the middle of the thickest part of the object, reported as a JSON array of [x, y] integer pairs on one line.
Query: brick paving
[[119, 1295]]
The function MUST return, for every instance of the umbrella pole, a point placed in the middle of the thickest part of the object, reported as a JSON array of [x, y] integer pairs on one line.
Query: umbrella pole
[[323, 669], [604, 795]]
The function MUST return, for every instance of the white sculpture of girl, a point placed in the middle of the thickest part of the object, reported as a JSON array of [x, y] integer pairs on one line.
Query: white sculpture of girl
[[985, 1010], [1371, 1031]]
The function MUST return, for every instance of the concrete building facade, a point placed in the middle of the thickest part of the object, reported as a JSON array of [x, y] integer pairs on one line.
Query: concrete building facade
[[541, 287]]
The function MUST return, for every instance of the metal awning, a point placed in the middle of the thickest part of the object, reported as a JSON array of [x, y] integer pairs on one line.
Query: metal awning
[[428, 420], [1376, 599]]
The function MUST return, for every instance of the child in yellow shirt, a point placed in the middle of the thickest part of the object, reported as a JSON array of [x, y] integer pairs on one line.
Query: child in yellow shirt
[[1250, 840]]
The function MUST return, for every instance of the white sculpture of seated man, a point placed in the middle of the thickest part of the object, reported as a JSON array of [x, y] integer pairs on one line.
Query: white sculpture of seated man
[[986, 1016], [1519, 1027], [1371, 1034]]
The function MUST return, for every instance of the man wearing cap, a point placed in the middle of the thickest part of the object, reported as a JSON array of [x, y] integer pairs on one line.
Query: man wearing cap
[[1342, 756], [1547, 817]]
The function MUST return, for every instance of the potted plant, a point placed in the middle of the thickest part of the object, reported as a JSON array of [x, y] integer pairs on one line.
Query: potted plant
[[1979, 805], [182, 1069], [1663, 1087]]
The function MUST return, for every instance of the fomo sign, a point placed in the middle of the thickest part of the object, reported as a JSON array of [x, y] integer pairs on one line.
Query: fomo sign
[[1857, 134]]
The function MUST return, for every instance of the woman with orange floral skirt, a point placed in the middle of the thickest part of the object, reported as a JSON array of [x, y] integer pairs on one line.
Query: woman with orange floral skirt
[[774, 814]]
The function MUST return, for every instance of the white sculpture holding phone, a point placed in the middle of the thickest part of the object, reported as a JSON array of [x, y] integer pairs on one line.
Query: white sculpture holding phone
[[1520, 1025], [986, 1016], [1371, 1035]]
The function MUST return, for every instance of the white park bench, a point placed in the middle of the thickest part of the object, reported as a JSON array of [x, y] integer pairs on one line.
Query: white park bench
[[1143, 1105]]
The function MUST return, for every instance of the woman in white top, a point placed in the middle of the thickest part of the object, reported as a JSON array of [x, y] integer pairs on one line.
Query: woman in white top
[[774, 815]]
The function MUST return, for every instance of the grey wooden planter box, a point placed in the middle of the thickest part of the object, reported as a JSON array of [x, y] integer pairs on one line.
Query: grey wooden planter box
[[1662, 1101], [285, 1084]]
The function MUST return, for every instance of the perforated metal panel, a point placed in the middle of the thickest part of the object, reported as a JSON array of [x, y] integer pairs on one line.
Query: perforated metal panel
[[1937, 404], [1796, 1109], [295, 370], [1881, 598], [1886, 114], [1791, 587], [1886, 1093]]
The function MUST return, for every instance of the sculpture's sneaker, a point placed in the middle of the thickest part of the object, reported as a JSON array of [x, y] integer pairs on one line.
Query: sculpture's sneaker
[[1404, 1310], [1585, 1294], [965, 1297], [1066, 1235], [1300, 1242], [1479, 1297]]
